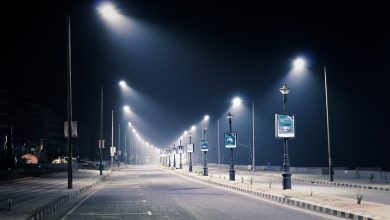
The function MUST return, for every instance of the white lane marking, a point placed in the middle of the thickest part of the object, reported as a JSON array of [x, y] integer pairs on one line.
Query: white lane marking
[[112, 214], [82, 201], [144, 200], [149, 212]]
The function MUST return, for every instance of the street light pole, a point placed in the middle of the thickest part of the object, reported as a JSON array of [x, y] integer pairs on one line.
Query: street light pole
[[231, 170], [219, 154], [205, 169], [112, 139], [253, 137], [286, 164], [180, 164], [101, 142], [190, 165], [69, 108], [327, 129], [174, 156]]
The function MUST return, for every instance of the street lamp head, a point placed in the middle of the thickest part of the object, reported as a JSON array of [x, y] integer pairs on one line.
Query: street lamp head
[[237, 101], [108, 11], [193, 127], [284, 90], [126, 109], [185, 133], [229, 115], [206, 118], [122, 84], [299, 64]]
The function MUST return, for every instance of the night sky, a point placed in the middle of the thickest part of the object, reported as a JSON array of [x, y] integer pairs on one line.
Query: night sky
[[185, 59]]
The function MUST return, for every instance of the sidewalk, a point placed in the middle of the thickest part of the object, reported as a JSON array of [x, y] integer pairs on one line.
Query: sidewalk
[[363, 183], [302, 198], [34, 197]]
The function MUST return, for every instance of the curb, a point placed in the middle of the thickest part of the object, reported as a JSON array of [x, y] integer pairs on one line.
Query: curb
[[289, 201], [340, 184], [51, 206]]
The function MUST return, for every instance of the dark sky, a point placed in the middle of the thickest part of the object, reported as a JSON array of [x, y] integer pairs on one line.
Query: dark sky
[[184, 59]]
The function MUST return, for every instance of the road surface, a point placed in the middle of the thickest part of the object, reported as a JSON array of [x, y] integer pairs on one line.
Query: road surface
[[149, 192]]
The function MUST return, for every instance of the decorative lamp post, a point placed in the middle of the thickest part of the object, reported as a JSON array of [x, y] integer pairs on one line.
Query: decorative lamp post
[[174, 155], [286, 164], [190, 164], [231, 169], [205, 143], [180, 152]]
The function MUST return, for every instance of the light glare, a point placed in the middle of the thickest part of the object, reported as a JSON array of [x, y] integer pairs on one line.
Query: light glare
[[126, 108], [237, 101]]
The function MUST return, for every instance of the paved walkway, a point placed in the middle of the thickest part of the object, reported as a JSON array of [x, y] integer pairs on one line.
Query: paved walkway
[[325, 201], [31, 194]]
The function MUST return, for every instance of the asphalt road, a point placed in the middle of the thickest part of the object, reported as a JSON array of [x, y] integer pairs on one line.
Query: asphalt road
[[153, 193]]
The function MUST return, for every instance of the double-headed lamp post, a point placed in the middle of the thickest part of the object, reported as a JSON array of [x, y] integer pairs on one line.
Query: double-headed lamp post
[[231, 169], [286, 164], [205, 168]]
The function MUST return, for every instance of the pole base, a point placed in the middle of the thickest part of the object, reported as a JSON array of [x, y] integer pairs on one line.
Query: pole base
[[181, 166], [232, 175], [286, 180], [205, 171]]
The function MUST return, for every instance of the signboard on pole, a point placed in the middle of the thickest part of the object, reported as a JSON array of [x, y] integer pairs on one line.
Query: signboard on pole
[[190, 148], [101, 143], [231, 140], [204, 145], [284, 126], [112, 151], [181, 149], [74, 129]]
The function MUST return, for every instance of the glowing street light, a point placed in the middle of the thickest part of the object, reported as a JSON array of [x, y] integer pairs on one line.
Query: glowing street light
[[206, 118], [237, 101], [193, 127], [109, 12], [299, 64], [126, 109], [122, 84]]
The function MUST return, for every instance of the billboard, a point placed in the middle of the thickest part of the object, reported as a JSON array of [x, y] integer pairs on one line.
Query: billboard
[[204, 145], [190, 148], [230, 140], [284, 126]]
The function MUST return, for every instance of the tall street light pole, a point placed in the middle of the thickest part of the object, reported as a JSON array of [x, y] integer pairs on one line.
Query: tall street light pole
[[286, 164], [219, 153], [69, 107], [253, 137], [112, 138], [101, 142], [231, 169], [180, 163], [174, 156], [327, 129]]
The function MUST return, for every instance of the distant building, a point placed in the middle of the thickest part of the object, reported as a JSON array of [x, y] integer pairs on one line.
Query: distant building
[[39, 130]]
